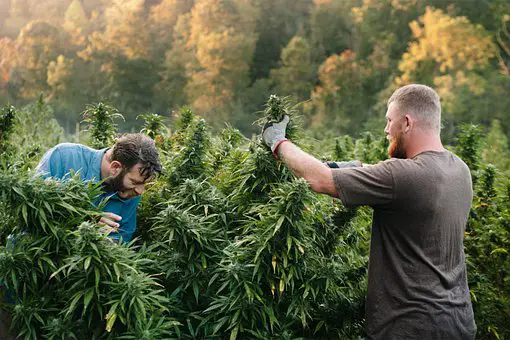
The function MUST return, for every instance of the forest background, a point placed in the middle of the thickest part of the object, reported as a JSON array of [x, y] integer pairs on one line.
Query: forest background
[[340, 59]]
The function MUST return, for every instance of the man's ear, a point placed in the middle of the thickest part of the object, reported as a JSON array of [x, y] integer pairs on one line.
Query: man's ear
[[408, 123], [115, 168]]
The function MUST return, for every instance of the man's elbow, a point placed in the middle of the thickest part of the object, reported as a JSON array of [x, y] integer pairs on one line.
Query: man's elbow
[[323, 183]]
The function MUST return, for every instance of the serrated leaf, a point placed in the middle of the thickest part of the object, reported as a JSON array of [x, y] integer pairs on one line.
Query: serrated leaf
[[233, 334], [86, 300], [278, 224]]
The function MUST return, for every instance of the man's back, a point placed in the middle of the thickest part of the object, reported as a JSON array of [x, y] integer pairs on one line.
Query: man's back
[[417, 274], [65, 158]]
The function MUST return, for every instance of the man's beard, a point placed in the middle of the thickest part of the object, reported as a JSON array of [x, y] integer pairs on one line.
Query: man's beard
[[396, 148], [115, 184]]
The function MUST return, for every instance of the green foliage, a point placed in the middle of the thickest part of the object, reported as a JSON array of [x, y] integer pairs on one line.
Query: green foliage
[[229, 139], [468, 147], [100, 118], [36, 130], [60, 270], [6, 124], [230, 245], [7, 121], [488, 255], [344, 148], [189, 161], [154, 125], [246, 248], [496, 149], [295, 75]]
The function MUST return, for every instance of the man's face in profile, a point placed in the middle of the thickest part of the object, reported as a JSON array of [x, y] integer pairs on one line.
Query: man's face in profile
[[128, 183], [395, 133]]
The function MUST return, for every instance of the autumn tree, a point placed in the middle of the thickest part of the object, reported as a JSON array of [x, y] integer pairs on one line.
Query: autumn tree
[[169, 91], [59, 76], [122, 54], [17, 18], [37, 45], [7, 62], [339, 102], [75, 17], [295, 75], [222, 42], [381, 34], [49, 10], [163, 18]]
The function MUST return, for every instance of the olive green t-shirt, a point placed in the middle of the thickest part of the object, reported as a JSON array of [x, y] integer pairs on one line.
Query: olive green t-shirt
[[417, 281]]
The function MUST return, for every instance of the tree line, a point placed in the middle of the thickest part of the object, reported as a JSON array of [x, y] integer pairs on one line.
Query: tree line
[[338, 58]]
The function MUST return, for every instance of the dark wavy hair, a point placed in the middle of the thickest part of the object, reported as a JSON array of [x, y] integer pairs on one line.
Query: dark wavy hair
[[136, 148]]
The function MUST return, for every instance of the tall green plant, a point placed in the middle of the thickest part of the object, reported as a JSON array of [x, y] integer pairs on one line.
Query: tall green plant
[[488, 254], [59, 269], [190, 160], [7, 121], [100, 119], [153, 125], [468, 147]]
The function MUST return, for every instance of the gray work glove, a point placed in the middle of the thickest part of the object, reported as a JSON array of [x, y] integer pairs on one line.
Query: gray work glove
[[273, 133]]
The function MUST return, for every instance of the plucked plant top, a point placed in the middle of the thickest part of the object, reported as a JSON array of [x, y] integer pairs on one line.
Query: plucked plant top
[[276, 109]]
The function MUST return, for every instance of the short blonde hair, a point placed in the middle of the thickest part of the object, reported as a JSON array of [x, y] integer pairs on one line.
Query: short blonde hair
[[419, 101]]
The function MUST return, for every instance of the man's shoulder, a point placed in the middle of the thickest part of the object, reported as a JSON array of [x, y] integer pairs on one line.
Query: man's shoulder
[[424, 160], [72, 148], [74, 154], [66, 158]]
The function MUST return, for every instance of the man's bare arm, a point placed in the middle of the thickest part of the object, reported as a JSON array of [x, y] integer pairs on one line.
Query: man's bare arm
[[317, 174]]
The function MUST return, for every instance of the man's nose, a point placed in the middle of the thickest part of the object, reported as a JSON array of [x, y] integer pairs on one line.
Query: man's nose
[[140, 189]]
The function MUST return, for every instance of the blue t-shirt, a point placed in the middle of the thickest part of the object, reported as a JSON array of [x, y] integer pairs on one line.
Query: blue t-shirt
[[65, 158]]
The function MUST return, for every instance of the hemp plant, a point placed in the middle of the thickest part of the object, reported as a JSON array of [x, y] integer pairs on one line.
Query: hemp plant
[[190, 160], [275, 271], [100, 119], [468, 147], [153, 125], [229, 139], [7, 121], [39, 240]]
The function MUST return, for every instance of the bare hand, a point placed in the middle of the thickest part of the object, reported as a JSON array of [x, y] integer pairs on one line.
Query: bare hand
[[111, 220]]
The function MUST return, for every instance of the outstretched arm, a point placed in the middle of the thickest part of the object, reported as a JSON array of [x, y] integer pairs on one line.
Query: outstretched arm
[[316, 173]]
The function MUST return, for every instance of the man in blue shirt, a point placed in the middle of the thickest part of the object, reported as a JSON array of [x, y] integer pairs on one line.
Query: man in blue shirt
[[124, 169]]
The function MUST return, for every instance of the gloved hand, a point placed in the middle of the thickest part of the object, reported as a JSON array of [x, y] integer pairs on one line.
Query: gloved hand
[[273, 133]]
